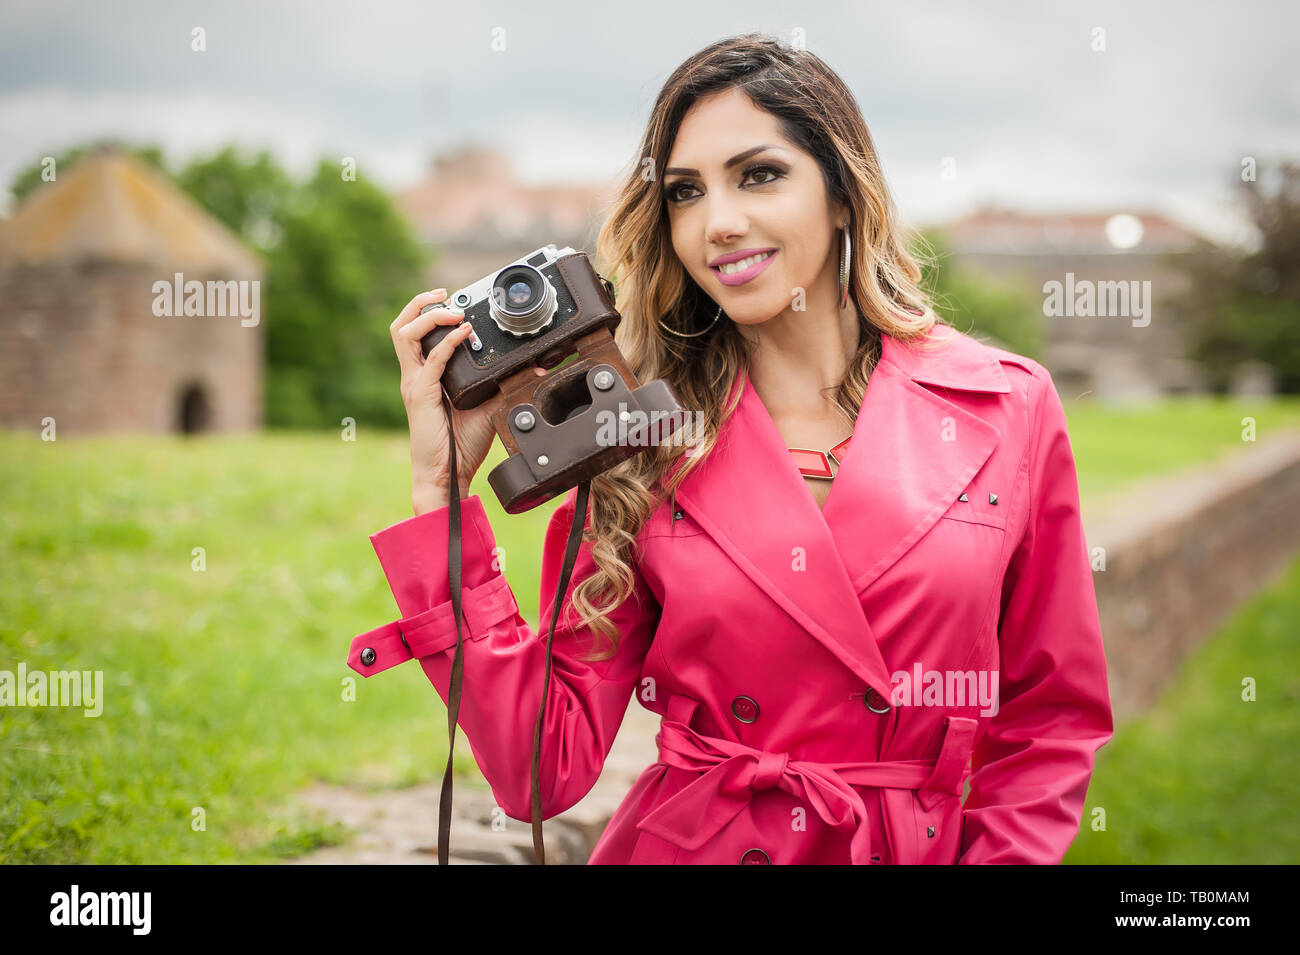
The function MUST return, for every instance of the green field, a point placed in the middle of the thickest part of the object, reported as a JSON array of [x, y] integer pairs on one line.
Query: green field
[[223, 688], [1114, 447]]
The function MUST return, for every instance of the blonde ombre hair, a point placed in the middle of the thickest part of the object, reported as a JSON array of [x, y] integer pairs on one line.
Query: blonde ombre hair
[[635, 251]]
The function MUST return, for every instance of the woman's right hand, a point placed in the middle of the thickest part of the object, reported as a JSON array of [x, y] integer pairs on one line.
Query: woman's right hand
[[426, 411]]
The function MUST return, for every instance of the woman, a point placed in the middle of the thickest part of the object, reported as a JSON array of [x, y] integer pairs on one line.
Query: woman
[[829, 647]]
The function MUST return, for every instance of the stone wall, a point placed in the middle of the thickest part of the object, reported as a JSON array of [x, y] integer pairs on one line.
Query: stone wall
[[81, 344], [1182, 553]]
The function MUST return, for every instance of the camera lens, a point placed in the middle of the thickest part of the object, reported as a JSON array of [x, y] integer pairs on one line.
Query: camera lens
[[519, 294], [522, 301]]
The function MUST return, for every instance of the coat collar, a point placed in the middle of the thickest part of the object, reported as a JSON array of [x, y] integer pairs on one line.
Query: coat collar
[[912, 453]]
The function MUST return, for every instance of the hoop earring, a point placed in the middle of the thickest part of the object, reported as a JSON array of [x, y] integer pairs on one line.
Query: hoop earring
[[846, 262], [692, 334]]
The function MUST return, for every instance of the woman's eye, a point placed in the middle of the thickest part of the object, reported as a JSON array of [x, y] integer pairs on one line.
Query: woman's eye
[[673, 192], [775, 173]]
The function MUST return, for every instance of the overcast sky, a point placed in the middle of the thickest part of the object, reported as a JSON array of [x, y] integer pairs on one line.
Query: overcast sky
[[1014, 92]]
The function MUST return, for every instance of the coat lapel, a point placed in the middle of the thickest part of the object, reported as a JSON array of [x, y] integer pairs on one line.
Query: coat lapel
[[911, 454]]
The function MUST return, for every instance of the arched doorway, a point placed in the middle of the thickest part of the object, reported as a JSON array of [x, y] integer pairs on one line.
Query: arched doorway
[[194, 414]]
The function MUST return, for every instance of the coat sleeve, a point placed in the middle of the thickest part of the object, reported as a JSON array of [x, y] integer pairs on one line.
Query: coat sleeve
[[1032, 764], [504, 659]]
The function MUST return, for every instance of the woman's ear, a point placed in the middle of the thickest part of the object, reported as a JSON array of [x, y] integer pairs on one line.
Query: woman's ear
[[842, 216]]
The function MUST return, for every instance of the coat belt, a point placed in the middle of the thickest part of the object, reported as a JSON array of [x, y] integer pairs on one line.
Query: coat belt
[[730, 774]]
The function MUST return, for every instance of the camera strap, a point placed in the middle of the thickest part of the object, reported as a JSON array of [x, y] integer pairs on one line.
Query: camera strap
[[458, 663]]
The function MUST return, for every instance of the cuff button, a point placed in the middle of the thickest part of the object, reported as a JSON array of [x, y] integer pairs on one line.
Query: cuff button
[[368, 656]]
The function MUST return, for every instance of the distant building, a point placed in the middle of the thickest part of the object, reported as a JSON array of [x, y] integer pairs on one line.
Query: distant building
[[82, 262], [477, 217], [1098, 256]]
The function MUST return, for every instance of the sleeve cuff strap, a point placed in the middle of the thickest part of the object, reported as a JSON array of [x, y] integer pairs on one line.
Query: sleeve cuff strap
[[433, 630]]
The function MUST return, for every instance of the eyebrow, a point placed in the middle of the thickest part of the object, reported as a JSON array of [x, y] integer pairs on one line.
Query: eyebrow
[[738, 158]]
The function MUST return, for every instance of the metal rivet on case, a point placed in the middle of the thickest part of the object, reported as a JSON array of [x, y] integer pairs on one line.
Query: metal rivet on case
[[543, 460], [604, 380], [524, 421]]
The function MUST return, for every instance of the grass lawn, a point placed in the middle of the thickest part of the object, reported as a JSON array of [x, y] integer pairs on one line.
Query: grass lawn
[[223, 688], [1114, 446]]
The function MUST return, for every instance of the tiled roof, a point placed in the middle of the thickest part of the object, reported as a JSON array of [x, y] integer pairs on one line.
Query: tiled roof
[[1010, 231], [109, 206]]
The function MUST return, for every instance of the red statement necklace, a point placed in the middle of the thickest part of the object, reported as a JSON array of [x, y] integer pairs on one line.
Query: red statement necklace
[[815, 464]]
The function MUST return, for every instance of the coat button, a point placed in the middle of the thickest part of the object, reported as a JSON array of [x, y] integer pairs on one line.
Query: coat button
[[875, 702], [755, 857], [744, 709], [677, 515], [368, 656]]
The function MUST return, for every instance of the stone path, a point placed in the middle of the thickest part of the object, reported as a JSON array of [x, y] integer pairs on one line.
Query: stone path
[[400, 826]]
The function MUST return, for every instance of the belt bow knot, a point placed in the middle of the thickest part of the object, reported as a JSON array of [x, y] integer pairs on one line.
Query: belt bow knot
[[730, 773]]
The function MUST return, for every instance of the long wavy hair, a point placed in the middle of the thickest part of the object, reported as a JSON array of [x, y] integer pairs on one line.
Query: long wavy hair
[[635, 251]]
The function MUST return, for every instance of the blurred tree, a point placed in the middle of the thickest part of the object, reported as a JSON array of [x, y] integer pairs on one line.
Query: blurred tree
[[1009, 315], [1245, 306], [248, 195], [344, 265]]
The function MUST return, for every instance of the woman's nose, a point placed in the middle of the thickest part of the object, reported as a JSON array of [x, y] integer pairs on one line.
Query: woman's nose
[[726, 222]]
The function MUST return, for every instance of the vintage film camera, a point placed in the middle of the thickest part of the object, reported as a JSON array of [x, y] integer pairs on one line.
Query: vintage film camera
[[542, 309]]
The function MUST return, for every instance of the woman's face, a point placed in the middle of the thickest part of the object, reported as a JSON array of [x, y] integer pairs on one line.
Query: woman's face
[[724, 196]]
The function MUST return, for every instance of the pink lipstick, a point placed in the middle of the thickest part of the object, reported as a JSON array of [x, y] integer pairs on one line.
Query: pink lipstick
[[749, 272]]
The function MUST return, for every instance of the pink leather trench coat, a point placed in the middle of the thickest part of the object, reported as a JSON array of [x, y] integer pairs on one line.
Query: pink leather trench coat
[[828, 679]]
